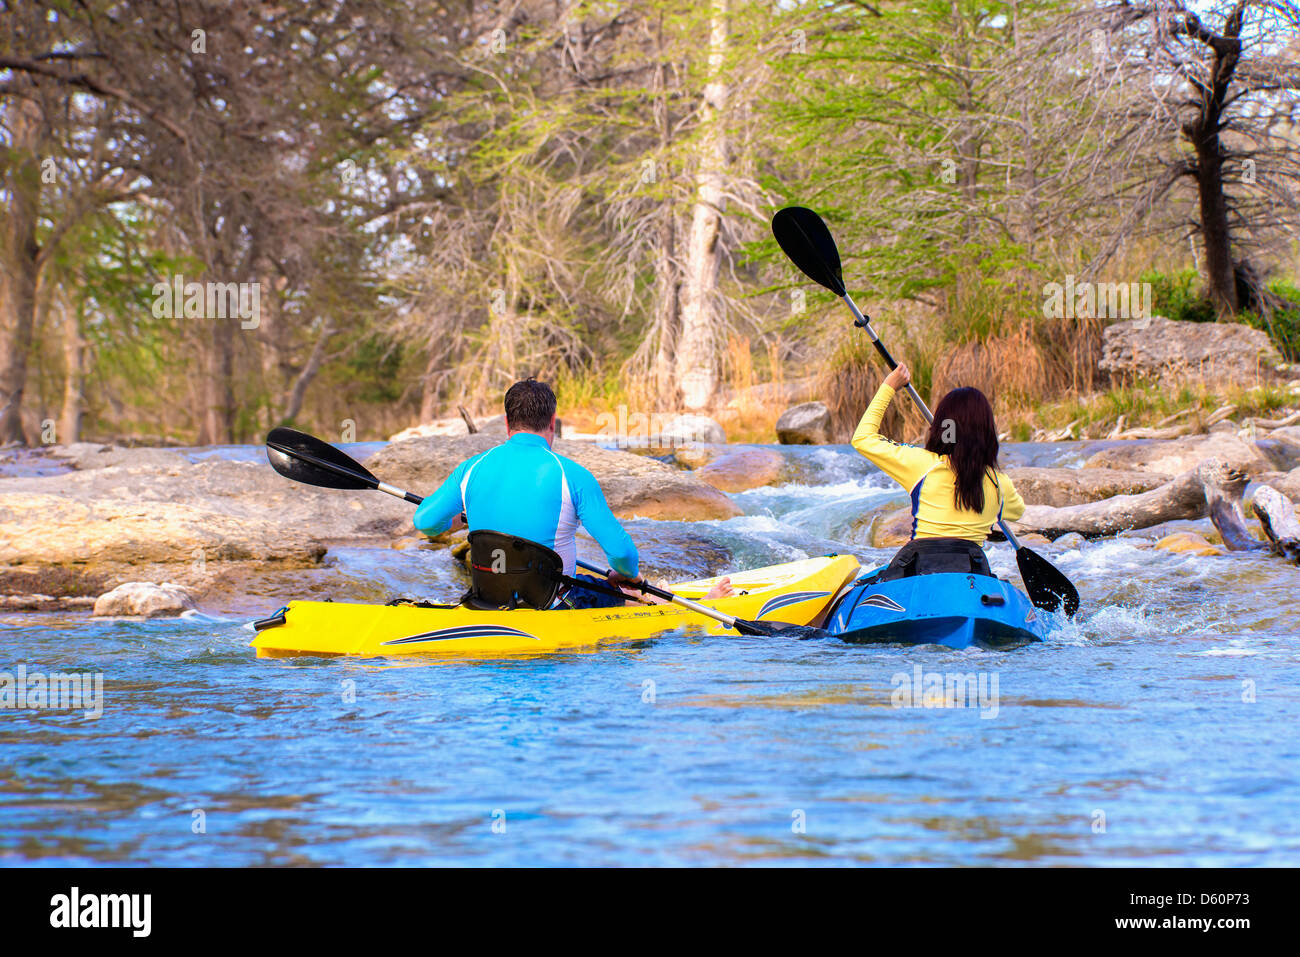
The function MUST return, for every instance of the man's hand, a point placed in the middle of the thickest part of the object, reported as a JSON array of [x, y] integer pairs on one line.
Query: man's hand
[[617, 579], [459, 522], [899, 378]]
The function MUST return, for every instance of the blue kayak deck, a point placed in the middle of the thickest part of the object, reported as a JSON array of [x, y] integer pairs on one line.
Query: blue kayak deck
[[955, 610]]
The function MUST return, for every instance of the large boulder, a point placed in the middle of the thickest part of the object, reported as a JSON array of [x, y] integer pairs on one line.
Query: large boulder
[[1289, 485], [1217, 353], [806, 424], [689, 428], [633, 484], [144, 600], [1176, 456], [768, 394], [1282, 447], [1062, 487]]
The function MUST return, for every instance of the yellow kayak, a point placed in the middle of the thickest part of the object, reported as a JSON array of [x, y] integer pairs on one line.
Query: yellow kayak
[[796, 593]]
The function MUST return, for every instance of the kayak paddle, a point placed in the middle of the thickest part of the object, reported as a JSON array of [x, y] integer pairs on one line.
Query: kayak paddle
[[766, 628], [311, 461], [804, 238]]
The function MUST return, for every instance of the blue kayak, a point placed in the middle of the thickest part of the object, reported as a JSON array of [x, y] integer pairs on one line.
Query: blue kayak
[[953, 609]]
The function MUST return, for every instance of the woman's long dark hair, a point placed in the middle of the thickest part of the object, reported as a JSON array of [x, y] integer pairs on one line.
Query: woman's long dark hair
[[963, 429]]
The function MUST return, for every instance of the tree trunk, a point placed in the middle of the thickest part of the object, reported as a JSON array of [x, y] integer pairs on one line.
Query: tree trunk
[[74, 382], [429, 399], [298, 391], [21, 266], [1203, 133], [1278, 519], [216, 426], [1214, 223], [1209, 489], [697, 347], [667, 302]]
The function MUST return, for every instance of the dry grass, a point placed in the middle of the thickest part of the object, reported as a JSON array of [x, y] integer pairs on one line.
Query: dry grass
[[847, 384], [750, 413], [1009, 370]]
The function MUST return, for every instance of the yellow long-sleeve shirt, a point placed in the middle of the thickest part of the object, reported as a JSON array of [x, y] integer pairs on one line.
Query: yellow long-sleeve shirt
[[934, 510]]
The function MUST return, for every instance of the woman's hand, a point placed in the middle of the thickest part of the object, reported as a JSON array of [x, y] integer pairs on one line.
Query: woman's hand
[[899, 378]]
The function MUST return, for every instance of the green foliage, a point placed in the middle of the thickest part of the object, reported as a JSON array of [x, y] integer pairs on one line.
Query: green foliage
[[373, 369], [1283, 325], [1178, 296]]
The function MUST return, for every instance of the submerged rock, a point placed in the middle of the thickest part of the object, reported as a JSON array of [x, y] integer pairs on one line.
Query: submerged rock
[[732, 468], [1188, 543], [144, 600]]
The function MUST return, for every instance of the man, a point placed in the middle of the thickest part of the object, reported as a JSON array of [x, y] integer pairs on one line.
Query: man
[[523, 488]]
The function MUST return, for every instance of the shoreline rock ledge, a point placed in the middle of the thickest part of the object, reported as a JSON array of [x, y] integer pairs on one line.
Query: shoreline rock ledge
[[68, 537]]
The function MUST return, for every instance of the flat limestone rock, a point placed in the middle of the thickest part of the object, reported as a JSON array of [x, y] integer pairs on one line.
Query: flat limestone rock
[[190, 513], [1063, 487], [1282, 447], [634, 485], [92, 455], [1176, 456]]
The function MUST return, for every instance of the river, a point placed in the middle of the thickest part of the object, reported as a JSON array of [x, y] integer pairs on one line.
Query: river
[[1157, 729]]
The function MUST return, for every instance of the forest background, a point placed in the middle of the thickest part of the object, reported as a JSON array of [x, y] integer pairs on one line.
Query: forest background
[[394, 208]]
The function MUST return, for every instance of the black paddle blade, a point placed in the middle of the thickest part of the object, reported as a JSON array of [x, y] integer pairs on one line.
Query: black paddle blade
[[1047, 587], [780, 629], [803, 237], [305, 458]]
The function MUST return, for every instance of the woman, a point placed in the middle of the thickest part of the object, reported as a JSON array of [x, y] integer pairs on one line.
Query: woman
[[958, 492]]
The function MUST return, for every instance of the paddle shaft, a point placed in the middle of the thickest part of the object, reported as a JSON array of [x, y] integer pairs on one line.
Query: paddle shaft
[[727, 620], [863, 322]]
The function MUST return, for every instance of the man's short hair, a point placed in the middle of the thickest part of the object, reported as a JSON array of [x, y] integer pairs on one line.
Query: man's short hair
[[530, 406]]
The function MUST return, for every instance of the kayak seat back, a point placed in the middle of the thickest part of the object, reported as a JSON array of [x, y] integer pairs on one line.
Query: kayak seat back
[[933, 556], [507, 571]]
